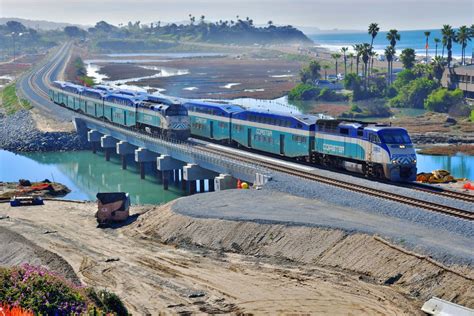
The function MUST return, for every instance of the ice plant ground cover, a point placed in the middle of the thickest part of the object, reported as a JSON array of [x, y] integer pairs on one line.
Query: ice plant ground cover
[[28, 290]]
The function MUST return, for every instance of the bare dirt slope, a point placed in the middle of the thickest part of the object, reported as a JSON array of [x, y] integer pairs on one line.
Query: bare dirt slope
[[152, 276], [368, 258]]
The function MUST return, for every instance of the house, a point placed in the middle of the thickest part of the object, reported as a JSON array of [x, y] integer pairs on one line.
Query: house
[[461, 77]]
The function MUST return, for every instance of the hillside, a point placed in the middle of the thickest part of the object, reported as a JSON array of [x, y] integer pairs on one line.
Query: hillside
[[40, 24]]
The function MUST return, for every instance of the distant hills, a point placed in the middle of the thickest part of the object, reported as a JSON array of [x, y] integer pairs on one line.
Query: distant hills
[[40, 24]]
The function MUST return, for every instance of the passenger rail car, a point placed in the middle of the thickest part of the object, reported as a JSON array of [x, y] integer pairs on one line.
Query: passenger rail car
[[211, 120], [127, 108], [277, 133]]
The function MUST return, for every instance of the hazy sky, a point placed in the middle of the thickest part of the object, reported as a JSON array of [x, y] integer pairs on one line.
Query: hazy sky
[[325, 14]]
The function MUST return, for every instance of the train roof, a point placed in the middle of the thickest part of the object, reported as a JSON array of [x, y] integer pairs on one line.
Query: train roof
[[134, 99], [229, 108], [102, 93], [164, 100], [307, 119], [104, 87]]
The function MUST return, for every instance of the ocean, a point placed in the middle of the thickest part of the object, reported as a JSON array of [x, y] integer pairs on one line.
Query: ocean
[[408, 39]]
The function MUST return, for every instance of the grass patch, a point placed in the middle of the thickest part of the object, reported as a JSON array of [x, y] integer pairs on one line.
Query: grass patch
[[10, 101]]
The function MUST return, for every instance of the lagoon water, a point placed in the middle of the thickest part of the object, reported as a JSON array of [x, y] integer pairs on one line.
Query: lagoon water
[[85, 174]]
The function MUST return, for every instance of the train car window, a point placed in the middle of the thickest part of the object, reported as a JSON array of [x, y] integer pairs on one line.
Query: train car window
[[374, 138], [344, 131], [300, 125], [360, 132]]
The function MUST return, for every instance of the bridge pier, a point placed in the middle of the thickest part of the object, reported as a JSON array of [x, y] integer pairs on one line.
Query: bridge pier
[[93, 137], [192, 173], [168, 167], [108, 143], [124, 149], [142, 156], [224, 182]]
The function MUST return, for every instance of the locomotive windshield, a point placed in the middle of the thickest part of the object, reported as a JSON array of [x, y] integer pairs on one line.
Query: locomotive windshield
[[176, 110], [394, 136]]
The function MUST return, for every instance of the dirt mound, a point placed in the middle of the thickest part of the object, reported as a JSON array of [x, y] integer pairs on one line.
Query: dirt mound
[[16, 250], [372, 258]]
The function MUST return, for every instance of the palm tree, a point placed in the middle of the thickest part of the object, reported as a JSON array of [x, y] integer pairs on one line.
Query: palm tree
[[449, 36], [389, 53], [270, 23], [326, 67], [358, 50], [372, 54], [393, 36], [373, 31], [351, 57], [438, 67], [462, 37], [365, 59], [437, 41], [344, 51], [444, 42], [336, 56], [427, 35]]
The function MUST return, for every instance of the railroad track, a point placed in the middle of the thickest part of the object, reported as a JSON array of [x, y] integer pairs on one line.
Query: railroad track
[[439, 208], [443, 192]]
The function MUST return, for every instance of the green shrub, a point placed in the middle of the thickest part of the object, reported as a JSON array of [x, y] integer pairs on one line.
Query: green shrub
[[355, 108], [303, 92], [441, 100], [329, 95], [413, 94]]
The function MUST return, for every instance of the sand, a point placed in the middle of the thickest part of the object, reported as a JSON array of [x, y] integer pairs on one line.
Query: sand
[[158, 266]]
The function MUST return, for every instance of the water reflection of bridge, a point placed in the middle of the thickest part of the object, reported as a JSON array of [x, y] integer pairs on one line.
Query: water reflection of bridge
[[92, 174]]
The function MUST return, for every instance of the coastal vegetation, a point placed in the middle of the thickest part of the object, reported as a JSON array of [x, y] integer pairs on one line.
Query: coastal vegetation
[[36, 290], [417, 86], [10, 101], [76, 70], [157, 35]]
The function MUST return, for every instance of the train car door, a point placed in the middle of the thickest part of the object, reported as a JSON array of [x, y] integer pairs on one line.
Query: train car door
[[249, 137], [211, 132], [282, 144]]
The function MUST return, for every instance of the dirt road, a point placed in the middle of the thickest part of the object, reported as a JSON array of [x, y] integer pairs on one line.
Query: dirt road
[[152, 277]]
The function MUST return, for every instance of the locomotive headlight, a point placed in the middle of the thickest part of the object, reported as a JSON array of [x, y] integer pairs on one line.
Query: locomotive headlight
[[414, 160], [402, 146], [394, 162]]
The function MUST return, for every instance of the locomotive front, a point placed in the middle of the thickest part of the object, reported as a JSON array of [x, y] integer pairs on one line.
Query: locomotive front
[[401, 164], [178, 122]]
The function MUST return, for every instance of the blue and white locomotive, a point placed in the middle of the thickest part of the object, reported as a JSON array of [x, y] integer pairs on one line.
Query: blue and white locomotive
[[163, 116]]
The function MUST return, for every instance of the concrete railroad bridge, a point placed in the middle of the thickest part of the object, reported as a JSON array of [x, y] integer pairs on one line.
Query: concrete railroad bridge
[[176, 162]]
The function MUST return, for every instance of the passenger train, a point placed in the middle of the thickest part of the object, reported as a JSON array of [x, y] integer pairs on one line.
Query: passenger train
[[376, 150], [150, 113]]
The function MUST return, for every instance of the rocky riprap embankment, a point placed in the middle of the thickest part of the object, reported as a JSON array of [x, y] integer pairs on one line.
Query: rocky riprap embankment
[[440, 138], [18, 133]]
